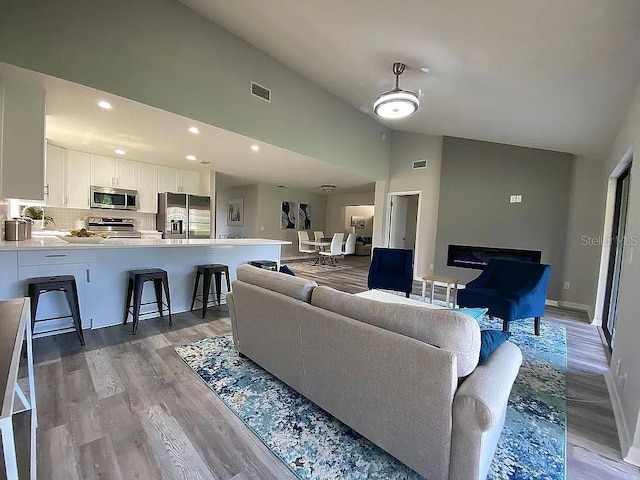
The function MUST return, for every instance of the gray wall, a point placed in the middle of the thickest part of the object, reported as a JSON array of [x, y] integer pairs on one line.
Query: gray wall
[[337, 203], [476, 182], [249, 194], [270, 200], [161, 53]]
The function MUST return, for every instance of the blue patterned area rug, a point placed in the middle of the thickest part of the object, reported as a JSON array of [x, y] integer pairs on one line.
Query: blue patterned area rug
[[315, 445]]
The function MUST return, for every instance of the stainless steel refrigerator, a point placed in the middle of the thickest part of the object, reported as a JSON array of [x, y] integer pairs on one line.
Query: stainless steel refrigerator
[[183, 216]]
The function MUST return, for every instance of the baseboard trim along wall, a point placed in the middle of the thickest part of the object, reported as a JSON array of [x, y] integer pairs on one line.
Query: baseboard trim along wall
[[629, 454], [583, 307]]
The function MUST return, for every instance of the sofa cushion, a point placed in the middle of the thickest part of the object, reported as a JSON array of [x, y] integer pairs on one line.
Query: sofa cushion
[[294, 287], [450, 330]]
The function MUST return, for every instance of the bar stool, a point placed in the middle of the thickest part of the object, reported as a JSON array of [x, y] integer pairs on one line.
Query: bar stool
[[61, 283], [217, 270], [137, 279]]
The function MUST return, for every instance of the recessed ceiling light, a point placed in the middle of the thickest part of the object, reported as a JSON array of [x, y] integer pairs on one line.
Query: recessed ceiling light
[[104, 104], [194, 130], [119, 151], [425, 69], [255, 148], [191, 157]]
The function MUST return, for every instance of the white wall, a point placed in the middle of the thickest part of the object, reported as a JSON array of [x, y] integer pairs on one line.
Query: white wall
[[405, 148], [626, 400], [336, 208], [270, 200], [249, 194], [161, 53], [364, 211]]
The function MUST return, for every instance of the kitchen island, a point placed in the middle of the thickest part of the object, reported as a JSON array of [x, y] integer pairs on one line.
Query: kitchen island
[[101, 270]]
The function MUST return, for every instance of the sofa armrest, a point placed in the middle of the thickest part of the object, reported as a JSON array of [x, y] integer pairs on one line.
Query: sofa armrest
[[479, 408]]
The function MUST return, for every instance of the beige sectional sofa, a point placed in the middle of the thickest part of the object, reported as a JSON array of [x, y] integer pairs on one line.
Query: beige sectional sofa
[[403, 376]]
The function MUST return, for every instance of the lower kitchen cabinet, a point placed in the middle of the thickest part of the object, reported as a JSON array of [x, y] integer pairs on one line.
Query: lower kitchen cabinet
[[46, 263]]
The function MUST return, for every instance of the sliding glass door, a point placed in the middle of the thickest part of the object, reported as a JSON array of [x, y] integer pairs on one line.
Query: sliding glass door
[[616, 255]]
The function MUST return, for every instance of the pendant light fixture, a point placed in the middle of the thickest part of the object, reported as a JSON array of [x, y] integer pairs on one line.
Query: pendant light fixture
[[396, 103]]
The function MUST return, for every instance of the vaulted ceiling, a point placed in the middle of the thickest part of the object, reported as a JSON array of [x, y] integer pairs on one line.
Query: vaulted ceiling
[[550, 74]]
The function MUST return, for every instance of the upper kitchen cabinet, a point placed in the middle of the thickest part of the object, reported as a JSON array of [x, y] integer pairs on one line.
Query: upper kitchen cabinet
[[22, 115], [54, 188], [78, 179], [113, 172], [147, 188], [178, 181], [190, 182]]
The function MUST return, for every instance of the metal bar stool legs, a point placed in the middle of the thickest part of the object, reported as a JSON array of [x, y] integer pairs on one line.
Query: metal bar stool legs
[[135, 284], [215, 270]]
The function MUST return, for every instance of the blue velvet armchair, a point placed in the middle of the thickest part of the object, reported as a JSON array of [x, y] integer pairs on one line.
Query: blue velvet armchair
[[510, 289], [391, 269]]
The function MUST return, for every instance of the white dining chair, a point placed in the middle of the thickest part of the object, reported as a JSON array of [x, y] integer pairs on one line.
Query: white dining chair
[[335, 250], [350, 245], [318, 235], [303, 237]]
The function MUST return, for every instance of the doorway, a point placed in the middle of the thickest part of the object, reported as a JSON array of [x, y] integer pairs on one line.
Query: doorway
[[403, 221], [616, 255]]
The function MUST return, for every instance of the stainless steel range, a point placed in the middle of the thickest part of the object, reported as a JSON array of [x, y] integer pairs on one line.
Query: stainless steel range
[[114, 227]]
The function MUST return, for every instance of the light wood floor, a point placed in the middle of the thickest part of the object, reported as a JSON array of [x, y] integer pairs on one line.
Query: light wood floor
[[127, 407]]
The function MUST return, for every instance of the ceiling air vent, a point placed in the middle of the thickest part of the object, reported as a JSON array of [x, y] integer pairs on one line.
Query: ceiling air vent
[[418, 164], [260, 92]]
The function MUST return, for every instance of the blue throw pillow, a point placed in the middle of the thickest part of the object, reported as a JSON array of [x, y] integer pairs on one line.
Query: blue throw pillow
[[287, 270], [490, 340], [476, 313]]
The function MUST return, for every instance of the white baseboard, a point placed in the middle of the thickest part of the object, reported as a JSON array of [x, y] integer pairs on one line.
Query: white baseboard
[[572, 305], [621, 422]]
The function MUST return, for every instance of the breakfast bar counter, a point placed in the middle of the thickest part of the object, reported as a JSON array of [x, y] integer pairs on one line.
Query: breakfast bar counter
[[101, 271]]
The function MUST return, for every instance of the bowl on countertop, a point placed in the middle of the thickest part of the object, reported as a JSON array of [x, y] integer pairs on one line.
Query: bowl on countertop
[[85, 240]]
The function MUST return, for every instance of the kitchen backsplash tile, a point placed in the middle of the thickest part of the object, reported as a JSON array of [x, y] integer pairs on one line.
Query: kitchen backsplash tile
[[65, 218]]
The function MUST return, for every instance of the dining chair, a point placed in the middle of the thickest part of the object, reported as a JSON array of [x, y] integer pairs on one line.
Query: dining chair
[[350, 245], [318, 235], [335, 250], [303, 247]]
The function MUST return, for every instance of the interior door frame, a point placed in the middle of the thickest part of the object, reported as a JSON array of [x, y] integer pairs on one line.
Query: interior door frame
[[416, 251], [613, 252]]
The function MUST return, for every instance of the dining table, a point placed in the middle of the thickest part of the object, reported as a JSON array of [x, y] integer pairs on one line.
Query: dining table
[[321, 245]]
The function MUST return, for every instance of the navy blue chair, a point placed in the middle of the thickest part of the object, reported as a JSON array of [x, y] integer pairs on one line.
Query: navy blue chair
[[510, 289], [391, 269]]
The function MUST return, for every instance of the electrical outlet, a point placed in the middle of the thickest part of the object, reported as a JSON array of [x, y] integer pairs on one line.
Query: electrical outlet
[[512, 199], [567, 285], [618, 362], [431, 267], [209, 251], [262, 229], [518, 198]]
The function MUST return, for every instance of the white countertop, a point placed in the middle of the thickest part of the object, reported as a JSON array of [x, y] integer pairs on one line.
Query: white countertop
[[55, 243]]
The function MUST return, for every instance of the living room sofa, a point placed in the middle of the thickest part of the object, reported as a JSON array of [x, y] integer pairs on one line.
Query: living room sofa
[[405, 377], [363, 246]]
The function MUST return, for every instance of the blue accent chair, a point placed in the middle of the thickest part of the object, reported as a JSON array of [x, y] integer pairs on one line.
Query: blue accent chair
[[510, 289], [391, 269]]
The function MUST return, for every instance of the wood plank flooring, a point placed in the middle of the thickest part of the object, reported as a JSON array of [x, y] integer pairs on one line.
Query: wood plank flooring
[[126, 407]]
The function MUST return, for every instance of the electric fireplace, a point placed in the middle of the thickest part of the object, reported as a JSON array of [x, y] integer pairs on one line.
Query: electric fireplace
[[466, 256]]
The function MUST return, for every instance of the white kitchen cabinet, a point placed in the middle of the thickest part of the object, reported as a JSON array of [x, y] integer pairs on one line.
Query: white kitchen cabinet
[[113, 172], [126, 174], [55, 176], [147, 188], [178, 181], [190, 182], [168, 179], [9, 286], [22, 143], [102, 171], [78, 179]]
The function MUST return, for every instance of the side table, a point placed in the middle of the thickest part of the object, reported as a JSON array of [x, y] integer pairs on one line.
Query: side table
[[448, 281]]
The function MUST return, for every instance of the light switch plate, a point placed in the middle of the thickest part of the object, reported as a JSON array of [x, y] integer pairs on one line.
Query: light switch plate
[[512, 199], [518, 198]]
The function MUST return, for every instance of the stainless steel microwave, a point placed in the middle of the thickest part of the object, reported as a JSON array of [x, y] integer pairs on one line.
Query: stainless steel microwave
[[114, 198]]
